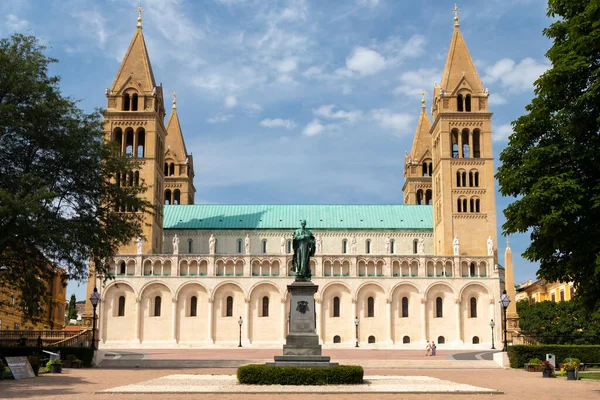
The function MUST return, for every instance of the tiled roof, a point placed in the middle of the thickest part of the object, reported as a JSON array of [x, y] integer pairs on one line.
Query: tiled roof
[[272, 216]]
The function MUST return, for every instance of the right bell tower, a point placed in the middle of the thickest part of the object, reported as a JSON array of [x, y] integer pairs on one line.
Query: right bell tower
[[463, 164]]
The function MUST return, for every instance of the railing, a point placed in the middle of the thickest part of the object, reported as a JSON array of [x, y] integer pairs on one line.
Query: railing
[[49, 337], [549, 338], [82, 338]]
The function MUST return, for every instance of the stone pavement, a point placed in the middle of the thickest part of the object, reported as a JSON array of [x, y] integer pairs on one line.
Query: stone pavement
[[75, 384]]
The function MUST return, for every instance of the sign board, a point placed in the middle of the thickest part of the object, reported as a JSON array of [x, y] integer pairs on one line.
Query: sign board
[[20, 367]]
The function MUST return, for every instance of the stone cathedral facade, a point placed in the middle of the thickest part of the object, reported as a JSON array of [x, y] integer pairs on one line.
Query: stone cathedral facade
[[426, 270]]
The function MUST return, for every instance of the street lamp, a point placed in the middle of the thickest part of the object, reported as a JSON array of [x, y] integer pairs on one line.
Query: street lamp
[[94, 299], [240, 322], [504, 301], [356, 324], [492, 325]]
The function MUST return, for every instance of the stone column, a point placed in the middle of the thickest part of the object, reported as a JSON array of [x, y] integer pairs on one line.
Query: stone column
[[174, 320], [247, 318], [211, 266], [139, 266], [423, 320], [388, 313], [353, 267], [175, 265], [138, 317], [387, 268], [422, 267], [211, 318], [247, 266], [283, 320], [319, 266], [458, 338]]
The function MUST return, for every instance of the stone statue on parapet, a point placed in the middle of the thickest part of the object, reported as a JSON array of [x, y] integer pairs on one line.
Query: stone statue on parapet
[[304, 249]]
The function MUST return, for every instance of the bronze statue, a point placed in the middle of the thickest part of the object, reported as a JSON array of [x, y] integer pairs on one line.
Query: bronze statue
[[304, 248]]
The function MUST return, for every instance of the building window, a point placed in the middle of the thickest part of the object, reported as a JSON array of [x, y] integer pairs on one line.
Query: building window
[[134, 102], [370, 307], [265, 307], [472, 270], [439, 312], [475, 339], [337, 339], [344, 246], [419, 197], [121, 310], [157, 304], [126, 102], [336, 307], [239, 246], [441, 340], [468, 103], [473, 307], [289, 247], [122, 268], [371, 339], [553, 296], [406, 340], [476, 145], [459, 103], [167, 197], [193, 306], [405, 307], [229, 307], [368, 246], [176, 196], [572, 291], [392, 246], [190, 243], [562, 295], [264, 246], [415, 246]]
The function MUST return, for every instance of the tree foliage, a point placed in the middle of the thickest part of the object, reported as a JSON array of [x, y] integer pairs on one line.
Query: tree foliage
[[564, 322], [551, 162], [72, 308], [57, 199]]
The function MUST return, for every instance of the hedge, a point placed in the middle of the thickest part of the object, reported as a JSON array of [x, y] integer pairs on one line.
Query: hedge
[[521, 354], [257, 374], [85, 354]]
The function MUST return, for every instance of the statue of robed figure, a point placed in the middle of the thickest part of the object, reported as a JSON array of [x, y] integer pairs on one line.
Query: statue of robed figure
[[304, 248]]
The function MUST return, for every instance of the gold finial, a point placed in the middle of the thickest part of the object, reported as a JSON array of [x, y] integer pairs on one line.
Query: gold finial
[[456, 10], [423, 98], [139, 11], [174, 99]]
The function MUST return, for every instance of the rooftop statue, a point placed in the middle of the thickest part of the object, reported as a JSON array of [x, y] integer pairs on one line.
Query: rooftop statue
[[304, 248]]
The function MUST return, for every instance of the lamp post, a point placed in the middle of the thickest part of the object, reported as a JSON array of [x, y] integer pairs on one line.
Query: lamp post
[[356, 325], [94, 299], [504, 301], [240, 322], [492, 325]]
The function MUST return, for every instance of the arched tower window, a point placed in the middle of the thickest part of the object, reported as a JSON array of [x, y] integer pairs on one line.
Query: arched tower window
[[265, 306], [122, 268], [168, 196], [130, 178], [264, 246], [176, 196], [134, 102], [472, 205], [194, 306], [129, 142], [190, 245], [430, 169], [344, 246], [121, 309], [370, 307], [368, 246], [468, 103], [157, 305], [464, 205], [473, 308], [428, 197], [476, 179], [166, 169], [454, 143], [458, 179], [141, 143], [404, 307], [136, 178], [459, 103], [229, 307], [126, 102], [476, 143], [439, 310], [419, 197], [425, 168], [172, 169], [465, 143], [472, 270], [118, 137], [336, 306], [463, 176], [477, 206]]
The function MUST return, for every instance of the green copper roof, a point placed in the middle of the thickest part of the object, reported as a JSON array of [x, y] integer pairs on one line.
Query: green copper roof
[[270, 216]]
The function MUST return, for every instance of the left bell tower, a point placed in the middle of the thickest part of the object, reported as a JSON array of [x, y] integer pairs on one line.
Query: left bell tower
[[134, 118]]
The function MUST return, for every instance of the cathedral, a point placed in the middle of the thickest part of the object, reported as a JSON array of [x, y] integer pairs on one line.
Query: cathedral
[[389, 276]]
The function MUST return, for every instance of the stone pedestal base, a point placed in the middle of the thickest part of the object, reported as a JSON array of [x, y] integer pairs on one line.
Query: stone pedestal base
[[302, 361]]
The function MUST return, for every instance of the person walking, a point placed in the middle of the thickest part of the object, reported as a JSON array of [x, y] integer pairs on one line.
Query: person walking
[[433, 348], [427, 349]]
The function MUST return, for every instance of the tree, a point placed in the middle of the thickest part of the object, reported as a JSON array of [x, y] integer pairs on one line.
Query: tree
[[58, 202], [72, 308], [551, 162]]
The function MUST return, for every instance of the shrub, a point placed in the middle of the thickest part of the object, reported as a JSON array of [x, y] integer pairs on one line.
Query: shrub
[[82, 353], [268, 375], [535, 361], [520, 354]]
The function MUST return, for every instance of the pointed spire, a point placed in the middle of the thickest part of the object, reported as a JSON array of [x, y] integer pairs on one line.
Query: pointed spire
[[459, 64], [174, 139], [422, 140]]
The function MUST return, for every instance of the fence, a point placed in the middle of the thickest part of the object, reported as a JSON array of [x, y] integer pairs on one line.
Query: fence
[[542, 338], [49, 337]]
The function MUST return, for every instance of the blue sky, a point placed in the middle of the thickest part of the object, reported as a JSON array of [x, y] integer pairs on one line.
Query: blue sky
[[297, 101]]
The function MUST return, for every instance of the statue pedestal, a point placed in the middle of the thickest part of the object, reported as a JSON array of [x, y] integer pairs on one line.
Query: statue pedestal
[[302, 348]]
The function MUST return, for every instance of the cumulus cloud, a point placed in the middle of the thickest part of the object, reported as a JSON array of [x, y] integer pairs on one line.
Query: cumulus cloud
[[15, 24], [501, 133], [399, 122], [413, 82], [287, 65], [327, 111], [278, 123], [219, 118], [365, 61], [230, 101], [496, 99], [515, 77], [313, 128]]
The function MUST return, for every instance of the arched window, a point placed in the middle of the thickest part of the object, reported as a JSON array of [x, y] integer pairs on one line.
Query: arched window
[[475, 339], [454, 143], [468, 103], [459, 103], [344, 246], [264, 246], [472, 204], [176, 196], [194, 306], [126, 102], [415, 246], [392, 246], [129, 142], [430, 169], [405, 307], [428, 197], [439, 311], [458, 179], [134, 102], [121, 310], [337, 339], [441, 340], [168, 196], [370, 307], [141, 143], [472, 269], [371, 339], [425, 168], [476, 179], [239, 246], [477, 206], [157, 304], [406, 340], [473, 308], [229, 307], [463, 176], [265, 307], [459, 205], [368, 246], [471, 182], [172, 169], [288, 247], [118, 137], [122, 268], [190, 245], [130, 178], [336, 306], [166, 169], [419, 197], [465, 144], [476, 143]]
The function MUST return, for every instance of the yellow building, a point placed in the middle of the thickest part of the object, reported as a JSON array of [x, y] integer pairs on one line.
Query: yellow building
[[540, 290]]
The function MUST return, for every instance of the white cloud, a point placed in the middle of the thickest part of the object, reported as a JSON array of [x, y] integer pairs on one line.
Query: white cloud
[[15, 24], [313, 72], [327, 111], [314, 127], [496, 99], [365, 61], [230, 101], [219, 118], [501, 133], [413, 82], [515, 78], [399, 122], [252, 109], [287, 65], [278, 123]]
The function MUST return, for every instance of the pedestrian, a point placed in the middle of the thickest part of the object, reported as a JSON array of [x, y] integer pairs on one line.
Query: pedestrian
[[39, 341], [427, 349], [433, 348]]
